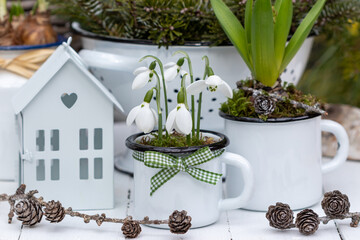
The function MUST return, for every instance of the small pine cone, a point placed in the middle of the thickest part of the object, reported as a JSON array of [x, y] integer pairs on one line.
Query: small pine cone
[[280, 216], [264, 105], [307, 221], [54, 212], [131, 229], [179, 222], [21, 189], [29, 212], [335, 204]]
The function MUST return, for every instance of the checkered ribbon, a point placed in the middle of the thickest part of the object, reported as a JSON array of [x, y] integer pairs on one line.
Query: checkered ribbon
[[173, 165]]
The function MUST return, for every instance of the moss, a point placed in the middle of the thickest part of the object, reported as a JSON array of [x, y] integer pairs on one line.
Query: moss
[[241, 105], [175, 140]]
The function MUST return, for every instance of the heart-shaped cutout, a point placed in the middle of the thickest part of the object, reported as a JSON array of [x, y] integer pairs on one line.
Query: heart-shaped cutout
[[69, 99]]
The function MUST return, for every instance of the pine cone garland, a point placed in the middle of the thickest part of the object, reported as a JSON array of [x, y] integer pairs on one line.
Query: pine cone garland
[[179, 222], [307, 221], [264, 105], [54, 212], [29, 212], [131, 229], [280, 216], [335, 204]]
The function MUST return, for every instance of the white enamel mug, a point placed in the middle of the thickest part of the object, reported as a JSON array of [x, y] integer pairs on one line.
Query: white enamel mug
[[286, 160], [202, 201]]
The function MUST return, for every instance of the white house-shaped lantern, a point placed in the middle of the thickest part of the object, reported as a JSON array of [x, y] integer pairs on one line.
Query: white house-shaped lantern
[[66, 131]]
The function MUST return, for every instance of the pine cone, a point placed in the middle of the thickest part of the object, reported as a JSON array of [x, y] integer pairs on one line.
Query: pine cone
[[131, 229], [21, 189], [264, 105], [307, 221], [335, 204], [29, 212], [54, 211], [280, 216], [179, 222]]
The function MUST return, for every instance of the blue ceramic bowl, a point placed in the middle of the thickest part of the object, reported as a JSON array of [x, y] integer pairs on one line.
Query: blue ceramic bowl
[[60, 40]]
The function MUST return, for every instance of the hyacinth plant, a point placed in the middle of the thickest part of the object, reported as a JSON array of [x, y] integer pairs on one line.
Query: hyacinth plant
[[263, 46], [182, 128], [262, 42]]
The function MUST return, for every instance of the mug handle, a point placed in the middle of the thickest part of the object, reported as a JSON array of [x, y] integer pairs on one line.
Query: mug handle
[[245, 169], [343, 142]]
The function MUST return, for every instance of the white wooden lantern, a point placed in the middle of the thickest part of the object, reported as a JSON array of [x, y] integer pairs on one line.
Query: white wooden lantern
[[65, 117]]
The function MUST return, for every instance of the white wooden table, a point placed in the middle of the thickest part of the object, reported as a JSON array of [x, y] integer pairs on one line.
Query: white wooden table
[[233, 225]]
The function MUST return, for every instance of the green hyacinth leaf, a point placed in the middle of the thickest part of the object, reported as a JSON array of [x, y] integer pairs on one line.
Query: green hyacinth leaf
[[277, 5], [282, 29], [248, 16], [301, 33], [262, 43], [233, 29]]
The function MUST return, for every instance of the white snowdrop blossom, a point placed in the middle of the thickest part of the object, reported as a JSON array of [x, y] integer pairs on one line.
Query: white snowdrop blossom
[[213, 83], [180, 119], [171, 71], [143, 75], [144, 116]]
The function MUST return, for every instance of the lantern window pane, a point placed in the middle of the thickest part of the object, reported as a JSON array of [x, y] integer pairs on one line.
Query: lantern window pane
[[98, 168], [84, 168], [40, 140], [98, 138], [55, 169], [55, 140], [84, 135], [40, 170]]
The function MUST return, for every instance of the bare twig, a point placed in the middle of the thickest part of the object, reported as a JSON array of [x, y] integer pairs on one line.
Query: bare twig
[[102, 218], [355, 216]]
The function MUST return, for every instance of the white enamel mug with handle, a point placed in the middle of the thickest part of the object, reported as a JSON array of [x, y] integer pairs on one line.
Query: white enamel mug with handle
[[286, 160], [202, 201]]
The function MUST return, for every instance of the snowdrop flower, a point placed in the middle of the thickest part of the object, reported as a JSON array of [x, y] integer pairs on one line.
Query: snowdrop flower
[[180, 119], [145, 117], [213, 83], [172, 69], [143, 76]]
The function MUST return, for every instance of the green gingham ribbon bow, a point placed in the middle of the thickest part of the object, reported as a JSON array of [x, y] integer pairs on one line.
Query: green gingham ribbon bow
[[173, 165]]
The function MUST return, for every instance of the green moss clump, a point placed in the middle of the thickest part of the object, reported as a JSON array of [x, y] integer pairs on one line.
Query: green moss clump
[[175, 140], [241, 105]]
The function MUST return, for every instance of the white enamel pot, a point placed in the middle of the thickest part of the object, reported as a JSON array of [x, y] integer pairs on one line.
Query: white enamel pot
[[113, 60], [285, 156], [202, 201], [10, 83]]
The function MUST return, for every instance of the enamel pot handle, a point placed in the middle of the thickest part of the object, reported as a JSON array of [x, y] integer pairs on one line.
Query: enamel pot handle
[[245, 170], [343, 142]]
